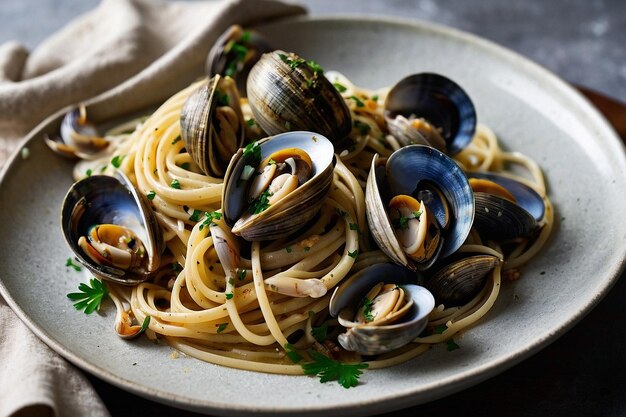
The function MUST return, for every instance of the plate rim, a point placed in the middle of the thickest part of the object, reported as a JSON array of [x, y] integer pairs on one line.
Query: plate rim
[[452, 384]]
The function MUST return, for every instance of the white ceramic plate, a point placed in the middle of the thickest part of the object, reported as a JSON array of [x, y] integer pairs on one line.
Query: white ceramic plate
[[531, 110]]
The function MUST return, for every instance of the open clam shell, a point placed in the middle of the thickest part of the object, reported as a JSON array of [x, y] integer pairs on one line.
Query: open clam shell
[[371, 338], [413, 171], [288, 93], [289, 213], [431, 109], [78, 137], [500, 218], [101, 199], [212, 126]]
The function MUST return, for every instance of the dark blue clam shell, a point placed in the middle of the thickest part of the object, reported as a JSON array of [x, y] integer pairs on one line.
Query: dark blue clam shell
[[410, 165], [440, 101]]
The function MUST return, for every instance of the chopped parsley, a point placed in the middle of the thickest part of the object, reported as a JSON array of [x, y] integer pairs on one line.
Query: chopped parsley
[[175, 184], [185, 166], [451, 345], [403, 222], [222, 98], [241, 274], [250, 122], [176, 267], [208, 221], [89, 172], [272, 162], [341, 213], [221, 327], [358, 101], [320, 333], [375, 98], [71, 264], [306, 248], [175, 141], [89, 297], [253, 150], [229, 295], [117, 161], [315, 67], [417, 214], [353, 254], [354, 226], [288, 249], [292, 62], [367, 309], [195, 216], [363, 128], [331, 370], [340, 87], [145, 324], [440, 329], [151, 195], [261, 203], [292, 354]]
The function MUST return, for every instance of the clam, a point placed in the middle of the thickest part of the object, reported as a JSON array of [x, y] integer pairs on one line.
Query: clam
[[287, 93], [505, 208], [430, 109], [78, 137], [111, 229], [234, 53], [420, 206], [461, 279], [212, 126], [275, 185], [382, 308]]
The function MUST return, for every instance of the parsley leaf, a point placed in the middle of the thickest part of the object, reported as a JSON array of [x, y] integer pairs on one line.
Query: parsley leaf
[[261, 203], [175, 184], [417, 214], [367, 309], [176, 267], [210, 217], [89, 297], [117, 161], [222, 98], [185, 166], [353, 254], [250, 122], [451, 345], [195, 216], [253, 150], [229, 295], [292, 354], [363, 128], [71, 264], [175, 141], [440, 329], [340, 87], [292, 62], [315, 67], [358, 101], [288, 249], [330, 370], [241, 274], [403, 222], [151, 195], [221, 327], [145, 324], [320, 333], [89, 172], [375, 98]]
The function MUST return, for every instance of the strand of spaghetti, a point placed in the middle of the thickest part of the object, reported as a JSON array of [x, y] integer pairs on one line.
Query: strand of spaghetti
[[398, 359], [538, 243]]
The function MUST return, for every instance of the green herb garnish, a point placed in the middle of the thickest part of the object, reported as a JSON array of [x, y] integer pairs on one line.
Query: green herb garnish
[[253, 150], [358, 101], [367, 309], [403, 222], [292, 62], [222, 98], [89, 172], [241, 274], [320, 333], [208, 221], [375, 98], [440, 329], [185, 166], [288, 249], [195, 216], [363, 128], [353, 254], [151, 195], [250, 122], [292, 354], [261, 203], [451, 345], [176, 267], [89, 297], [315, 67], [330, 370], [229, 295], [117, 161], [417, 214], [340, 87], [175, 141], [145, 324], [175, 184], [221, 327], [71, 264]]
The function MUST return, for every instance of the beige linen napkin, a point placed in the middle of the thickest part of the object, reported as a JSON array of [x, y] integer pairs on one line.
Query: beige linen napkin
[[124, 55]]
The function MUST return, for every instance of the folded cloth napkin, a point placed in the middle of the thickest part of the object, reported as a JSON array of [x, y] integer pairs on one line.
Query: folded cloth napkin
[[124, 56]]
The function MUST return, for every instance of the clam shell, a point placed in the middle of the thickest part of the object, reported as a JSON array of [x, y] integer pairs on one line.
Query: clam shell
[[282, 100], [101, 199]]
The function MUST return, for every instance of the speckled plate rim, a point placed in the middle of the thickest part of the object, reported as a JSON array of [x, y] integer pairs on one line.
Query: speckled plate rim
[[443, 387]]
